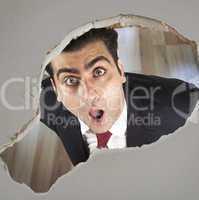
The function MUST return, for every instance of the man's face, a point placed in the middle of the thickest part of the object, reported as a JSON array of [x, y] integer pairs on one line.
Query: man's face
[[89, 84]]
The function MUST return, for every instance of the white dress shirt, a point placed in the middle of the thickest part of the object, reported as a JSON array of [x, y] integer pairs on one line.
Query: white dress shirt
[[118, 130]]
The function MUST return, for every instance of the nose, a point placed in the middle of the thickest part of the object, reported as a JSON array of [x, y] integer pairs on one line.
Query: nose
[[90, 92]]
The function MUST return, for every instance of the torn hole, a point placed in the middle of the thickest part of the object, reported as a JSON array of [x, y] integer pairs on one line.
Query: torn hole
[[52, 143]]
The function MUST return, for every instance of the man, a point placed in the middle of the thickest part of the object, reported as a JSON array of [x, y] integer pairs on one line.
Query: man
[[91, 103]]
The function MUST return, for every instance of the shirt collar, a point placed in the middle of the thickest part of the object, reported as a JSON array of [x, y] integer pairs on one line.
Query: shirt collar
[[118, 125], [83, 126]]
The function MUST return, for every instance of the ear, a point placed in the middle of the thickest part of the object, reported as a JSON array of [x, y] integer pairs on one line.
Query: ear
[[121, 67], [55, 89]]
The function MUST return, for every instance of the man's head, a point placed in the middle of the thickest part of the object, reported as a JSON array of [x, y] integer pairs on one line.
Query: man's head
[[87, 78]]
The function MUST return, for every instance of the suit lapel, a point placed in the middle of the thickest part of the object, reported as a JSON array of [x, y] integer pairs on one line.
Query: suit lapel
[[168, 120], [137, 134], [72, 138]]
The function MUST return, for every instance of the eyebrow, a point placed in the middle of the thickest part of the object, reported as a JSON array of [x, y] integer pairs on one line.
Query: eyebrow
[[67, 70], [87, 66], [95, 60]]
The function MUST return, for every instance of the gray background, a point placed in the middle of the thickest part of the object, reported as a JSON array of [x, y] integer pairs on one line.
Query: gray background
[[28, 29]]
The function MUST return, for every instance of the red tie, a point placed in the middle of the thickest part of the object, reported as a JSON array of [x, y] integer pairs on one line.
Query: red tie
[[102, 139]]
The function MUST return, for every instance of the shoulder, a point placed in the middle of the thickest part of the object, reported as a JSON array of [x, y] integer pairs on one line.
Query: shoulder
[[166, 90], [170, 98], [153, 80], [157, 106]]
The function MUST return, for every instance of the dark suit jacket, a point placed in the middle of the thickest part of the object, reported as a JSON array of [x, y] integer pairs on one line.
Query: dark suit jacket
[[173, 102]]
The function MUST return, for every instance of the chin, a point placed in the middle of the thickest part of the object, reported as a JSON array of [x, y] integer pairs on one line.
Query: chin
[[100, 129]]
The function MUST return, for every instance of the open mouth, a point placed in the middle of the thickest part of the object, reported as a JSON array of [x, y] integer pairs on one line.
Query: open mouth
[[96, 114]]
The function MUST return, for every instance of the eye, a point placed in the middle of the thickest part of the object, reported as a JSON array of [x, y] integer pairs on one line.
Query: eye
[[71, 81], [99, 71]]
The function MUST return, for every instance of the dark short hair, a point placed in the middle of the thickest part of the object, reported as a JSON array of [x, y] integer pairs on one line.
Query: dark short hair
[[108, 35]]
